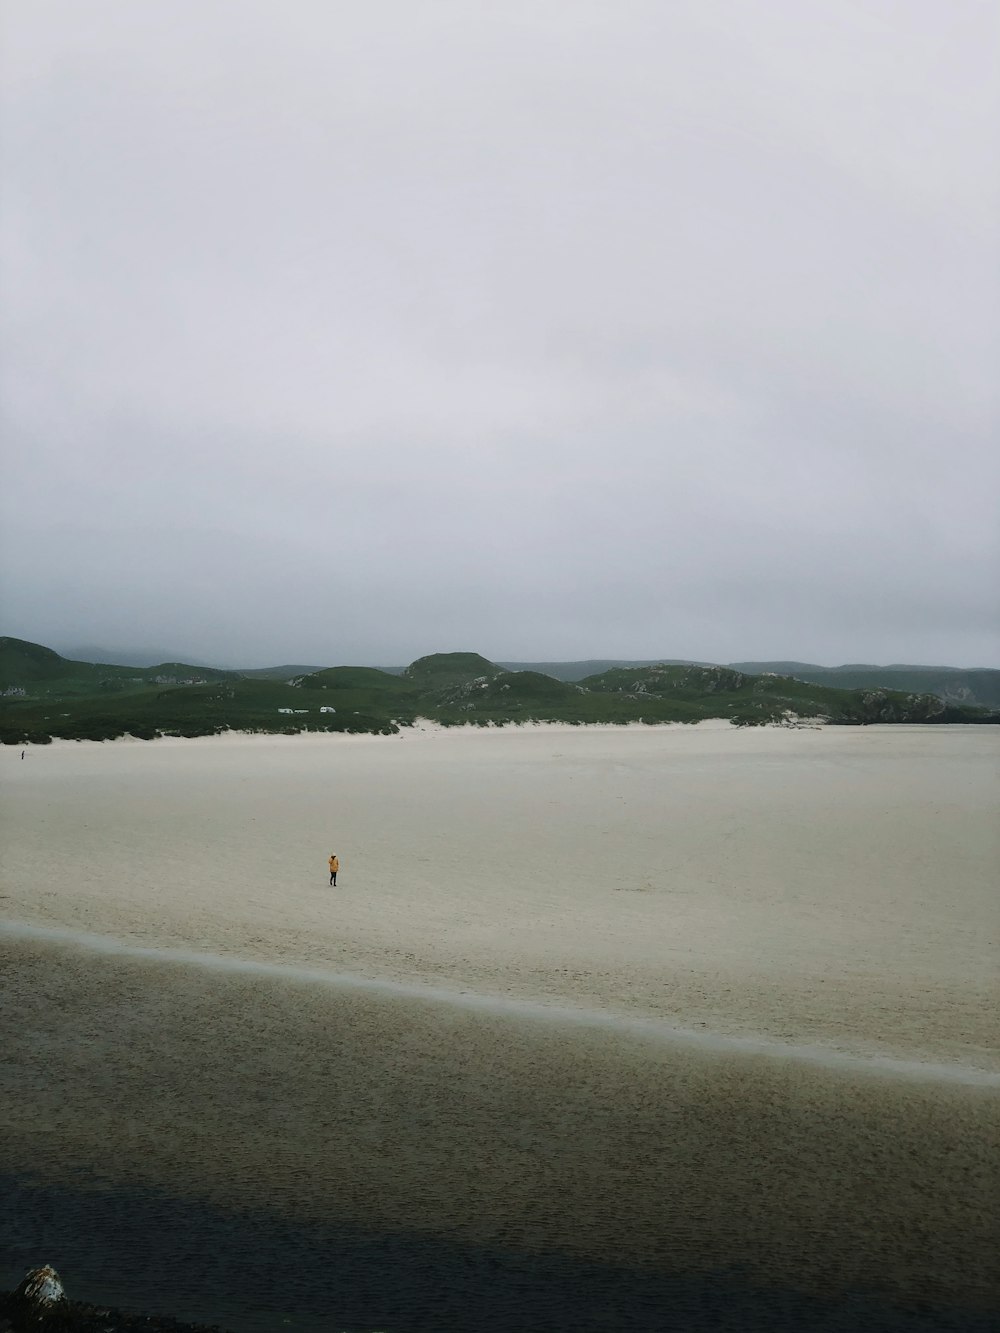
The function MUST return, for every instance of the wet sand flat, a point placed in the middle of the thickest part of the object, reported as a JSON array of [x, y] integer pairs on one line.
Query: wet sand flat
[[406, 1118], [674, 1002], [831, 886]]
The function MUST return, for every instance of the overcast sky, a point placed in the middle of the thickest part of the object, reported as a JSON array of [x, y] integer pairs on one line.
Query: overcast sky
[[353, 330]]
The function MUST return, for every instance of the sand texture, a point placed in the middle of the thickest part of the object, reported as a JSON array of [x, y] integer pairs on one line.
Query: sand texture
[[832, 886], [674, 999]]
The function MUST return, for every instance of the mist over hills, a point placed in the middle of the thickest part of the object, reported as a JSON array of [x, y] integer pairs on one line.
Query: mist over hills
[[138, 657]]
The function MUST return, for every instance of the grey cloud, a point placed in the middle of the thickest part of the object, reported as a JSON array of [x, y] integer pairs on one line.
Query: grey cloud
[[546, 330]]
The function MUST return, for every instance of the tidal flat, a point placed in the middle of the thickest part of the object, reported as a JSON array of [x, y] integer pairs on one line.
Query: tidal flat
[[626, 1028]]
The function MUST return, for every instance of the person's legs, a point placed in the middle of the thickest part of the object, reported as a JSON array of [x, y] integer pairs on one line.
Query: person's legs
[[333, 879]]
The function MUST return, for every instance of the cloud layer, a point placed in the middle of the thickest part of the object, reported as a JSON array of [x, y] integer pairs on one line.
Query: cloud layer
[[354, 332]]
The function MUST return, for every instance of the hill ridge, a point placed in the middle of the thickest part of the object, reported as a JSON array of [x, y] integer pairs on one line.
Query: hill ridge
[[98, 701]]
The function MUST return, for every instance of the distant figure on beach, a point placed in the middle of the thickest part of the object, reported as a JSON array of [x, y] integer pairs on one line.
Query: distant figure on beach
[[334, 867]]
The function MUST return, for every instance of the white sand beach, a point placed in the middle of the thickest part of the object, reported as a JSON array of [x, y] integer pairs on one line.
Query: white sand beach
[[532, 915], [831, 886]]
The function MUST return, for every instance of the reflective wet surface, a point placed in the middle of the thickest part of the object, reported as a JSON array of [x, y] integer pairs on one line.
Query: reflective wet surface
[[254, 1150], [256, 1273]]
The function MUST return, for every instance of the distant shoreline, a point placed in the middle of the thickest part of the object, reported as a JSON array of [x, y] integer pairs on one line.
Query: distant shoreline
[[427, 727], [422, 727]]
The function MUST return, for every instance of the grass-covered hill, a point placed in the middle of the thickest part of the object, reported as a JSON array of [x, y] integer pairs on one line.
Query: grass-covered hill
[[748, 699], [179, 710], [365, 689], [354, 678], [957, 685], [45, 695], [276, 672], [594, 666], [21, 661], [25, 665], [443, 669]]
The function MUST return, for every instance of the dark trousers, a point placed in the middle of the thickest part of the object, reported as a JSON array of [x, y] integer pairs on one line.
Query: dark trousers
[[333, 877]]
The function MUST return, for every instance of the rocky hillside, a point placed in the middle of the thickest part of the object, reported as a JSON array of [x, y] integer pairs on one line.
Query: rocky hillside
[[746, 699], [979, 687]]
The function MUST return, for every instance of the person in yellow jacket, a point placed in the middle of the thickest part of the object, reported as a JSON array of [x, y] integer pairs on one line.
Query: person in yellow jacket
[[334, 867]]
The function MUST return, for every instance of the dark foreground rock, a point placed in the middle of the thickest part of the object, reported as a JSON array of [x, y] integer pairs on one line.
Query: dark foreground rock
[[39, 1305]]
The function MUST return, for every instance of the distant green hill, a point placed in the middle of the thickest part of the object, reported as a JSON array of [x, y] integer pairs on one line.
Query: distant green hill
[[686, 681], [181, 710], [441, 669], [123, 656], [506, 690], [354, 678], [363, 688], [749, 699], [959, 685], [594, 666], [275, 672], [46, 695], [40, 671], [22, 662]]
